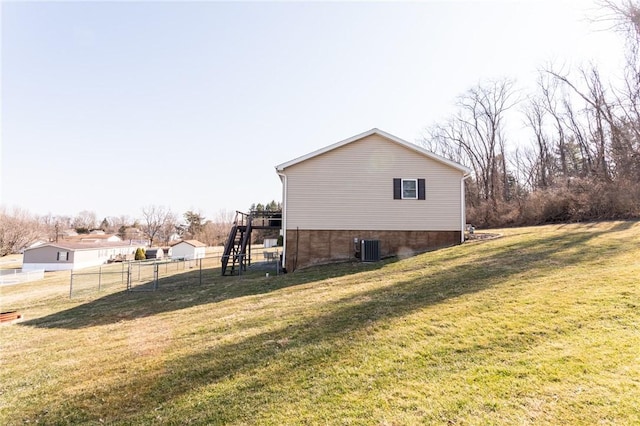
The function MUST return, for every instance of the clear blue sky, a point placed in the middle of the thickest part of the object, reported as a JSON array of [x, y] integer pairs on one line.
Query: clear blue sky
[[112, 106]]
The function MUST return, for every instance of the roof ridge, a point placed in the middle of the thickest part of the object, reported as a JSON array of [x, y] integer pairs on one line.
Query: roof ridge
[[375, 130]]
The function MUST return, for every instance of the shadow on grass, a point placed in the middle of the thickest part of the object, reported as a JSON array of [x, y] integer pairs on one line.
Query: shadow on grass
[[187, 289], [618, 226], [314, 341], [184, 290]]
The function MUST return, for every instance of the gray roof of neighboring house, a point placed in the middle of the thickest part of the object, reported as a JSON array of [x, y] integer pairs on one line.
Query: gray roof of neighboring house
[[73, 245], [88, 237]]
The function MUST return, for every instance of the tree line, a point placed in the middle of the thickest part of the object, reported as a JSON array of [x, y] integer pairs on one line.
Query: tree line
[[580, 157], [157, 225]]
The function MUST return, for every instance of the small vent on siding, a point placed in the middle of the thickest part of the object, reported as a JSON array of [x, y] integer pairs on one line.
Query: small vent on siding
[[370, 250]]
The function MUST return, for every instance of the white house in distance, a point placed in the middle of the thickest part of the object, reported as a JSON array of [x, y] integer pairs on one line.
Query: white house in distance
[[67, 255], [94, 237], [188, 249], [372, 186]]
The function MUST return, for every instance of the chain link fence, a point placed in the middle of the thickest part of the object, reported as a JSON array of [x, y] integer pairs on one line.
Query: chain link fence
[[150, 275]]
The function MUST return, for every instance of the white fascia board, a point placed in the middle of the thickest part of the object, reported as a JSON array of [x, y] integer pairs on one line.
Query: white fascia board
[[465, 170], [69, 248]]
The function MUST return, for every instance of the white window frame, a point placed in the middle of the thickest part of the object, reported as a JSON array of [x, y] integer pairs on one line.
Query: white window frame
[[415, 189]]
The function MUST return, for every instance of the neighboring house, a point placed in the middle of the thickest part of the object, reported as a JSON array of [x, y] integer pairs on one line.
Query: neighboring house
[[67, 255], [94, 238], [134, 236], [188, 249], [373, 186], [68, 233], [154, 253]]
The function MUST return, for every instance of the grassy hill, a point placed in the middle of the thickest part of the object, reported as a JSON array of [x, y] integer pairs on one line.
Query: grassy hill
[[540, 326]]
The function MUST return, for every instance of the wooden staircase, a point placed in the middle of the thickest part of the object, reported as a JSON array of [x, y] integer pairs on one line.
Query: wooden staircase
[[234, 257], [237, 249]]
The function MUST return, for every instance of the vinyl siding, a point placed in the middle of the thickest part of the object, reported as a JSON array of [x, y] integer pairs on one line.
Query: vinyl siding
[[187, 251], [351, 187], [78, 258], [84, 258], [47, 267], [46, 254]]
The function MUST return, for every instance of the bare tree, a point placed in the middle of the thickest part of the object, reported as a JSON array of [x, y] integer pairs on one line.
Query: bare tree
[[155, 222], [119, 225], [476, 135], [18, 229], [215, 232], [625, 17], [602, 122], [535, 114], [53, 226], [549, 89], [85, 221]]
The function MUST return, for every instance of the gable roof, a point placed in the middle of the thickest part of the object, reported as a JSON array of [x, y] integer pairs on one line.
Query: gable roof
[[194, 243], [91, 238], [75, 245], [375, 131]]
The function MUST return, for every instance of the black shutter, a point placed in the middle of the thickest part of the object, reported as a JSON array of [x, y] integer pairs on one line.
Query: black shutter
[[397, 188], [421, 189]]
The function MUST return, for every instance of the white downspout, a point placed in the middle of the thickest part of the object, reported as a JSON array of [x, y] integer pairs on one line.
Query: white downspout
[[463, 206], [283, 178]]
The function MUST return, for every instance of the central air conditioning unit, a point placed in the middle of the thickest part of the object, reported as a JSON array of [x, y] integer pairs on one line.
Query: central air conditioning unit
[[370, 250]]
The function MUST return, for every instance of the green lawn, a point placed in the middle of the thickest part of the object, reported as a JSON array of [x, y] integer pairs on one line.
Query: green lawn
[[540, 326]]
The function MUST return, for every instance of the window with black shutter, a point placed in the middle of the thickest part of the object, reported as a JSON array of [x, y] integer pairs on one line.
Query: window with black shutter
[[421, 189], [409, 189], [397, 189]]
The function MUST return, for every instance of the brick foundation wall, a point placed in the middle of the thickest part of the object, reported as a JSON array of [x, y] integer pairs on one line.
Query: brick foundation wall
[[312, 247]]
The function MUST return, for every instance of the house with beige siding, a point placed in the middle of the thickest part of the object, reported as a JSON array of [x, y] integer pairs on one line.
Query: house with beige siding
[[74, 255], [373, 187]]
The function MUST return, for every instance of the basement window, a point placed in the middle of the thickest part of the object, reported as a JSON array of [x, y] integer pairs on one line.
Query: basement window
[[63, 256]]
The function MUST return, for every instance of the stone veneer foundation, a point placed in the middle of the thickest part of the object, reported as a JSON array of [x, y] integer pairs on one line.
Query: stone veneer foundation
[[313, 247]]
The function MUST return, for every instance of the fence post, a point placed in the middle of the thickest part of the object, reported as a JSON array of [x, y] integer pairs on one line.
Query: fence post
[[129, 276], [100, 279], [200, 271], [156, 267], [71, 285]]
